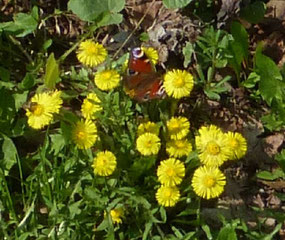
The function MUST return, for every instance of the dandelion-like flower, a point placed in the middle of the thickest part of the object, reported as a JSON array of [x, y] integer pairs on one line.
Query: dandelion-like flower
[[212, 146], [107, 79], [148, 144], [236, 144], [91, 53], [84, 134], [170, 172], [208, 182], [117, 215], [151, 54], [178, 127], [178, 148], [167, 196], [178, 83], [148, 127], [104, 163], [90, 105], [42, 107]]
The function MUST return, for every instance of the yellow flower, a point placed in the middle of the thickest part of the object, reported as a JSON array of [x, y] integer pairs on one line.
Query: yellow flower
[[236, 144], [104, 163], [178, 127], [151, 54], [149, 127], [170, 172], [84, 134], [178, 83], [91, 53], [148, 144], [42, 107], [212, 146], [167, 196], [117, 215], [208, 182], [107, 79], [178, 148], [90, 105]]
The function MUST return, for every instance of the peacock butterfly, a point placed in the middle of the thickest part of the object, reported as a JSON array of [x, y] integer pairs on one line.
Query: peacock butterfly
[[142, 83]]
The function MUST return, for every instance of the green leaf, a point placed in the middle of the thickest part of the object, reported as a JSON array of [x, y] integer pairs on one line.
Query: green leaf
[[187, 52], [270, 84], [108, 18], [52, 72], [251, 81], [176, 3], [240, 36], [90, 10], [4, 74], [22, 25], [254, 12], [227, 233], [212, 95], [28, 81], [20, 99], [10, 153], [280, 158], [266, 175]]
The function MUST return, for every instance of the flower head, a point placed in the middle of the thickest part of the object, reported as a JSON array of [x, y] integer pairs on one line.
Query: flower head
[[90, 105], [170, 172], [149, 127], [84, 134], [178, 148], [42, 107], [167, 196], [91, 53], [236, 144], [117, 214], [208, 182], [148, 144], [212, 146], [178, 83], [151, 54], [104, 163], [107, 79], [178, 127]]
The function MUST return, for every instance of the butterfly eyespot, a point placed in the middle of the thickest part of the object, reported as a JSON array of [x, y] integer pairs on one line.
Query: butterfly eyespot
[[137, 52], [132, 72]]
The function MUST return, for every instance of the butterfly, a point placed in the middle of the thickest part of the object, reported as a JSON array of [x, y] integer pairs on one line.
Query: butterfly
[[142, 83]]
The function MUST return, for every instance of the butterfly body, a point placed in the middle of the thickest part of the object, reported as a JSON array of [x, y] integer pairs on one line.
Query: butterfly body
[[142, 83]]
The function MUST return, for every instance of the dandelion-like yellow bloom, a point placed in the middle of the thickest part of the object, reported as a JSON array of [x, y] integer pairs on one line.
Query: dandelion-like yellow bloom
[[117, 215], [148, 144], [178, 148], [90, 105], [104, 163], [151, 54], [170, 172], [42, 107], [178, 127], [149, 127], [167, 196], [84, 134], [178, 83], [91, 53], [107, 79], [236, 144], [208, 182], [212, 146]]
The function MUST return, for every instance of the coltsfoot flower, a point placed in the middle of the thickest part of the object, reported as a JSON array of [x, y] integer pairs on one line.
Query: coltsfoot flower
[[170, 172], [84, 134], [149, 127], [148, 144], [107, 79], [236, 144], [178, 127], [91, 53], [104, 163], [42, 108], [208, 182], [90, 105], [178, 148], [178, 83], [167, 196]]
